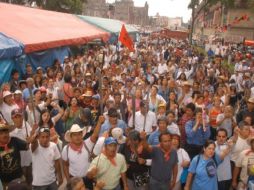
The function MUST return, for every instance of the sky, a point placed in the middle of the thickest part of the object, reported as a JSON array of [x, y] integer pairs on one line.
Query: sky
[[170, 8]]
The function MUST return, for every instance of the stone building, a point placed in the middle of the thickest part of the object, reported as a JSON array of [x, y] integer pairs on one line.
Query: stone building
[[123, 10], [98, 8], [222, 22]]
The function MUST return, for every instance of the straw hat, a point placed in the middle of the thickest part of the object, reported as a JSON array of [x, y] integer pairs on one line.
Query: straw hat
[[75, 128], [187, 83], [251, 100], [88, 94], [161, 105], [5, 126]]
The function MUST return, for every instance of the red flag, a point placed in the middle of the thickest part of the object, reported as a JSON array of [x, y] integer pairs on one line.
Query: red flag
[[125, 39]]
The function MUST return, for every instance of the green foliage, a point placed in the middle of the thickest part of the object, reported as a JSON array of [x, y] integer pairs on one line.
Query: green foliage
[[68, 6]]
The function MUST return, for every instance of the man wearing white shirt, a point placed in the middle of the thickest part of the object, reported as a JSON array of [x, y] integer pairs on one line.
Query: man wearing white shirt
[[7, 106], [145, 120], [46, 162], [162, 68], [224, 169], [22, 131]]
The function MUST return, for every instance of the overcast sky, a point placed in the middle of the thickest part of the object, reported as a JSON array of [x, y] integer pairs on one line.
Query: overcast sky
[[171, 8]]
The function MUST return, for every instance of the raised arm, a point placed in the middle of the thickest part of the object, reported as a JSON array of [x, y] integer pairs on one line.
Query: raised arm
[[97, 129]]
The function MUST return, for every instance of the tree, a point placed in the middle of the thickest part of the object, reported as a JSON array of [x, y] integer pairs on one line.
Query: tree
[[68, 6]]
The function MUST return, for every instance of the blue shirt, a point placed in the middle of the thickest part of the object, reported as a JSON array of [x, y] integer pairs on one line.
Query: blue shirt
[[197, 137], [201, 179], [154, 138], [106, 126], [26, 93]]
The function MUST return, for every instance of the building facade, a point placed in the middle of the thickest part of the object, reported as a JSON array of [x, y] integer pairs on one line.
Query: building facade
[[233, 24], [175, 23], [123, 10]]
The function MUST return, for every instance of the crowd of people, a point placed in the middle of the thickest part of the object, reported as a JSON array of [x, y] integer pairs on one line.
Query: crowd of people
[[165, 117]]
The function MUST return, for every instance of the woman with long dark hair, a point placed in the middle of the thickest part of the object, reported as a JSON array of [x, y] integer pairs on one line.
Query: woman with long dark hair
[[49, 122]]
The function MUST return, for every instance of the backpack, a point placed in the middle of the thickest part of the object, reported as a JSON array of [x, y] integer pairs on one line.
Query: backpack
[[211, 166]]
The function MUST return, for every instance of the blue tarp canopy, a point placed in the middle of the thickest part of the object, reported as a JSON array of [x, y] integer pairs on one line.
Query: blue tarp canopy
[[9, 47], [42, 59]]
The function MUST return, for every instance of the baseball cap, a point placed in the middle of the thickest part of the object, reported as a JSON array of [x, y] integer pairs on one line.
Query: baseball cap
[[16, 112], [17, 92], [117, 133], [6, 93], [96, 97], [110, 140], [44, 130]]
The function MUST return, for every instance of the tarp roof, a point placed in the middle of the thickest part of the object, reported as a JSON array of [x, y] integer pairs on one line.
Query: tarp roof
[[40, 29], [9, 47], [109, 25]]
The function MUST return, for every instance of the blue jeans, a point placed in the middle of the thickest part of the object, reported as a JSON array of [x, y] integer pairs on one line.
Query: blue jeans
[[52, 186], [157, 185]]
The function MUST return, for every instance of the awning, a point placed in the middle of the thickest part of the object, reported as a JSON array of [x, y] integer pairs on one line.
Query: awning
[[109, 25], [40, 29], [9, 47]]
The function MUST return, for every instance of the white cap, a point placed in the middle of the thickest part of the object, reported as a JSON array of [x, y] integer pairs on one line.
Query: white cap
[[17, 92], [117, 133], [6, 93]]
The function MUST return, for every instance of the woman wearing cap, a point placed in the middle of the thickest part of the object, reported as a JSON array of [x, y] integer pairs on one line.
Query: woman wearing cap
[[183, 162]]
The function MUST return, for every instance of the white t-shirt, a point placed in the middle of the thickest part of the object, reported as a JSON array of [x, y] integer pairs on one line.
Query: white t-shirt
[[6, 111], [240, 145], [78, 162], [162, 68], [182, 156], [43, 160], [140, 119], [173, 129], [26, 156]]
